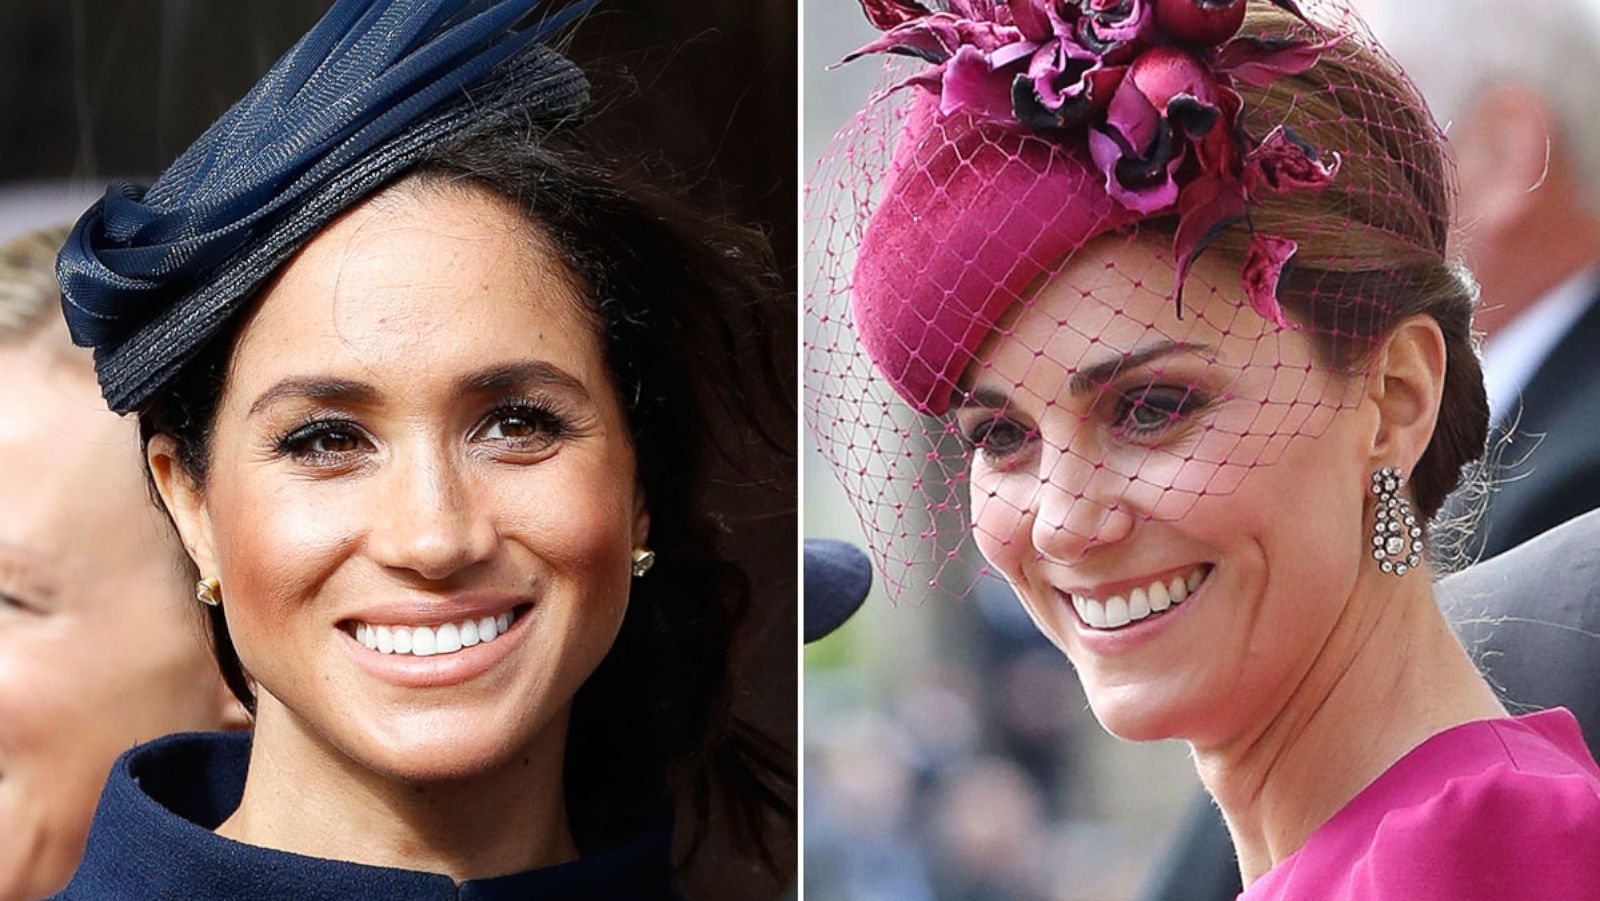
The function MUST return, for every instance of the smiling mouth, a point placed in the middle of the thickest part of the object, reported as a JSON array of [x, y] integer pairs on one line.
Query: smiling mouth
[[435, 640], [1141, 603]]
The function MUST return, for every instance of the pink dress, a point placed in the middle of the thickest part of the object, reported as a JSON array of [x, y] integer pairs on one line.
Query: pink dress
[[1498, 809]]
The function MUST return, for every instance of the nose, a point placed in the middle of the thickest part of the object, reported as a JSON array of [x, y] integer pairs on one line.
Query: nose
[[428, 520], [1079, 506]]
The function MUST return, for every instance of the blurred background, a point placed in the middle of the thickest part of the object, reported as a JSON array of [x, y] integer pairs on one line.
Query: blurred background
[[949, 751], [702, 95]]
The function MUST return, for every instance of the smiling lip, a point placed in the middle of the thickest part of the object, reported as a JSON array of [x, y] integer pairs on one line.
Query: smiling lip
[[1110, 642], [464, 665]]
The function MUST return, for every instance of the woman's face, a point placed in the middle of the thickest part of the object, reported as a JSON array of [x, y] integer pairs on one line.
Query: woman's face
[[421, 499], [1121, 469], [101, 643]]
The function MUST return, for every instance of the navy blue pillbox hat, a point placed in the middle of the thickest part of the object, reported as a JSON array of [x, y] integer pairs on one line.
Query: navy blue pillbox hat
[[148, 276]]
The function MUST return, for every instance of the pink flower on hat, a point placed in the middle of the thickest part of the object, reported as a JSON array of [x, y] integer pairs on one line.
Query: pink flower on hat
[[1148, 87]]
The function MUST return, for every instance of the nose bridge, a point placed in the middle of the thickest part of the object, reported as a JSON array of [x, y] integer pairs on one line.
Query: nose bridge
[[430, 519], [1078, 504]]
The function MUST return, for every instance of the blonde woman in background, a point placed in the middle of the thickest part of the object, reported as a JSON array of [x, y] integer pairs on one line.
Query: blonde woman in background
[[101, 646]]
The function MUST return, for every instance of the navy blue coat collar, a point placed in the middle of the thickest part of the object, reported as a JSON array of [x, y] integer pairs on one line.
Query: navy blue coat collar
[[152, 839]]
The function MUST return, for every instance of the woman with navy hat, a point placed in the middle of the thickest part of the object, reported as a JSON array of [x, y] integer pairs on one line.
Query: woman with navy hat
[[406, 357]]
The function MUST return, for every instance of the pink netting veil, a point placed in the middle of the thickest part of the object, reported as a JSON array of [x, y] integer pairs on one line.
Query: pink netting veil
[[1081, 264]]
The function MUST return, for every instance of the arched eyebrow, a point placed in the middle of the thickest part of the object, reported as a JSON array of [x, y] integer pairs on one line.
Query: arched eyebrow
[[1091, 378], [520, 375]]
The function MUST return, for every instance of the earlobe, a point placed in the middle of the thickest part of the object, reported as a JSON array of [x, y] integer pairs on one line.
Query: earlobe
[[184, 501], [1407, 386]]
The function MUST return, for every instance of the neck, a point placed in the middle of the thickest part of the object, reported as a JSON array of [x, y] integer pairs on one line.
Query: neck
[[1390, 676], [305, 796]]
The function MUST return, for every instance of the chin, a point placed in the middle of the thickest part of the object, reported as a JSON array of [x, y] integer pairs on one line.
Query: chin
[[447, 745], [1146, 711]]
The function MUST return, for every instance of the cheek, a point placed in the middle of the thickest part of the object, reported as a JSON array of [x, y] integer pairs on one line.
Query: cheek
[[276, 542], [1002, 519]]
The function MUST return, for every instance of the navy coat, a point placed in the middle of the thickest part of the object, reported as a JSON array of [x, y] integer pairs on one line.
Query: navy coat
[[152, 840]]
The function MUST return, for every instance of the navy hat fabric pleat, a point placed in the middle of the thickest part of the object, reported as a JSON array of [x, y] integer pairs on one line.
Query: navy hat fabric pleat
[[149, 275]]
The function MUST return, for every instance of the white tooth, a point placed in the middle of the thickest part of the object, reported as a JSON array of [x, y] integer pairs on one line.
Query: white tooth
[[1077, 604], [1194, 579], [422, 642], [361, 632], [1117, 612], [1094, 613], [1160, 598], [385, 640], [1138, 604], [503, 622], [469, 633], [448, 639], [1178, 589], [402, 640], [488, 629]]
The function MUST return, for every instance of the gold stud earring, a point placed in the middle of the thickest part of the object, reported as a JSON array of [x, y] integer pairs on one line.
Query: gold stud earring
[[643, 559], [208, 591]]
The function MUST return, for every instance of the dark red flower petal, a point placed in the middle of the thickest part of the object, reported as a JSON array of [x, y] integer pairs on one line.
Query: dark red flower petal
[[887, 14], [1199, 23], [1261, 61], [1286, 162], [1265, 262]]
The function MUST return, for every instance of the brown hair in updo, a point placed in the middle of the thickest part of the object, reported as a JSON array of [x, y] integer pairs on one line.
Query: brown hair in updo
[[1373, 244]]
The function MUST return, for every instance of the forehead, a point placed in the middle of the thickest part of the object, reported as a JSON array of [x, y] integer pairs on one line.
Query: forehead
[[418, 282], [1115, 296]]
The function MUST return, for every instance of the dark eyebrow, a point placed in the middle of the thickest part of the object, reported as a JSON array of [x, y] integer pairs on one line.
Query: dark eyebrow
[[315, 388], [1089, 378], [531, 373]]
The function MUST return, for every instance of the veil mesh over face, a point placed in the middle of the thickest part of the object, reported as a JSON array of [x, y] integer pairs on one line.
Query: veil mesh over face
[[1018, 340]]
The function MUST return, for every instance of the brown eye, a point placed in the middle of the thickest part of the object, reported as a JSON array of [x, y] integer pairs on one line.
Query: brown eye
[[522, 426], [334, 443], [323, 443]]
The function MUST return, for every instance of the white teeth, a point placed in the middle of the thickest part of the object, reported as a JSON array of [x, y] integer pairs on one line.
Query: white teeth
[[1160, 598], [448, 639], [1138, 604], [427, 641], [1117, 612], [1096, 613], [422, 642]]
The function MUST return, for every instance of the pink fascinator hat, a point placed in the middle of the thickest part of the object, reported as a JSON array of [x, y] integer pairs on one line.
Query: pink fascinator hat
[[1042, 124]]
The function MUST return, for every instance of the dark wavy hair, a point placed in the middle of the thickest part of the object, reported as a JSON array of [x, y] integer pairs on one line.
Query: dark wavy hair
[[685, 305]]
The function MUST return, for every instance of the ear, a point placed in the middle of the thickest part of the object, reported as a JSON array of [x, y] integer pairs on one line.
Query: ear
[[1407, 383], [641, 517], [1510, 136], [185, 501]]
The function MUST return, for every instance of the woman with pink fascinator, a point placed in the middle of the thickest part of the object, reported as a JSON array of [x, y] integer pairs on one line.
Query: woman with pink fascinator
[[1144, 307]]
